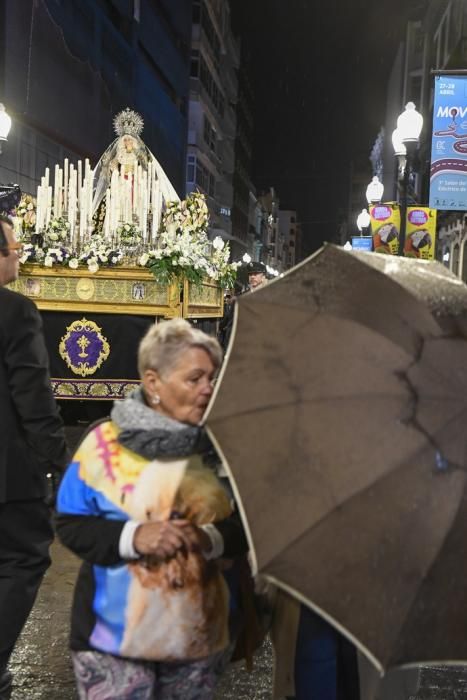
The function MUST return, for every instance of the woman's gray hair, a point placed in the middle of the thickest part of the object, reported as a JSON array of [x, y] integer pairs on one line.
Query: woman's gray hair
[[164, 343]]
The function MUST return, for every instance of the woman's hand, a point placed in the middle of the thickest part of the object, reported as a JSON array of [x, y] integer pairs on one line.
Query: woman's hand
[[198, 538], [163, 539]]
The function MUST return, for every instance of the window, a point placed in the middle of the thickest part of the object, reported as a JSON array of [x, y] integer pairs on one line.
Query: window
[[212, 185], [209, 83], [209, 134], [210, 32], [194, 64], [191, 169]]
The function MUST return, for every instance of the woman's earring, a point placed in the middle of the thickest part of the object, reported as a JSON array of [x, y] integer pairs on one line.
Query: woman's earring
[[155, 400]]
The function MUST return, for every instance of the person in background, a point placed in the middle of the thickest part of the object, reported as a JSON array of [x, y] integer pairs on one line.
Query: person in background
[[32, 444], [256, 275]]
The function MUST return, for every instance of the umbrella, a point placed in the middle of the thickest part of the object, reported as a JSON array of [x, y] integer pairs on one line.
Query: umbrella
[[341, 416]]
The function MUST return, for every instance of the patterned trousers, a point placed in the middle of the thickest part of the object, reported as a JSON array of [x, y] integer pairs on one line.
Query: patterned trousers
[[105, 677]]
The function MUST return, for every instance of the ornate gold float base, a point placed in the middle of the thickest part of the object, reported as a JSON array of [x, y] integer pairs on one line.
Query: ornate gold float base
[[117, 290], [110, 290]]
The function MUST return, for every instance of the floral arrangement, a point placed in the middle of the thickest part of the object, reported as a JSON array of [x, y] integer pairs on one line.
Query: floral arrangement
[[32, 254], [188, 216], [129, 234], [183, 250], [26, 213], [184, 257], [96, 253], [57, 231], [48, 257]]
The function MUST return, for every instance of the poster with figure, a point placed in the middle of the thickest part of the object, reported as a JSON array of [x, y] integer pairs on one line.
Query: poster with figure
[[448, 173], [420, 233], [385, 228]]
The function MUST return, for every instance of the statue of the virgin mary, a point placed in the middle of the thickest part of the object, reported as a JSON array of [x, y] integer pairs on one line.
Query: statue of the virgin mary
[[124, 155]]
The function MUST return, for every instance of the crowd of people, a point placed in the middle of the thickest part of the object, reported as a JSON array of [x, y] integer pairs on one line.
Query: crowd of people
[[164, 599]]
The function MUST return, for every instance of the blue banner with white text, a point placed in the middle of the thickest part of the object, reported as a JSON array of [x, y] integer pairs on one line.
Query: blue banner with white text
[[448, 174]]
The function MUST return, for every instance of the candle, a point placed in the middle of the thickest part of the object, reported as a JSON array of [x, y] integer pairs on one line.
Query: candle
[[65, 185], [56, 191]]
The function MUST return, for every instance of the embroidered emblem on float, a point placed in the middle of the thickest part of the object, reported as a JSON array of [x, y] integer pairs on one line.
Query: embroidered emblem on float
[[83, 347]]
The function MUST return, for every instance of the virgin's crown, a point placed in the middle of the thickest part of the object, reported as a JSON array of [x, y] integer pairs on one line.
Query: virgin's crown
[[128, 122]]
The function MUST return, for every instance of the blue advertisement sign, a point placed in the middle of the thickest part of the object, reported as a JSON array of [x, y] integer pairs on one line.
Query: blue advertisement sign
[[448, 174], [362, 242]]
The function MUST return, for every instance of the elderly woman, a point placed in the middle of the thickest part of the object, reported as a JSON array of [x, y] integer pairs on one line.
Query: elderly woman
[[150, 611]]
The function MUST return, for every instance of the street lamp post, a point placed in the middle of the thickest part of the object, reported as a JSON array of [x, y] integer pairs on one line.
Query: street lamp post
[[5, 125], [407, 135], [363, 221]]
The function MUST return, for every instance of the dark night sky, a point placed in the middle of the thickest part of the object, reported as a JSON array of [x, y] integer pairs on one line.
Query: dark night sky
[[319, 71]]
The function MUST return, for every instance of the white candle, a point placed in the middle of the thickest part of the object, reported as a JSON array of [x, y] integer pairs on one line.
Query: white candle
[[65, 185], [60, 192], [49, 205], [56, 191]]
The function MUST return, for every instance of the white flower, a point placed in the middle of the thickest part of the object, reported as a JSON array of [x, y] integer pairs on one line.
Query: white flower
[[103, 258], [73, 263], [218, 243], [143, 259], [30, 206], [126, 227], [53, 236], [39, 253], [92, 265], [48, 262], [174, 262]]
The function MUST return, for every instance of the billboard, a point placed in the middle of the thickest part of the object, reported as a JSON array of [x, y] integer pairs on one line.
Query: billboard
[[420, 233], [448, 173], [385, 227]]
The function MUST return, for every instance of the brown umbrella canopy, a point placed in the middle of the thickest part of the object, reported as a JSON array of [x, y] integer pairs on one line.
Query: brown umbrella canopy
[[339, 428]]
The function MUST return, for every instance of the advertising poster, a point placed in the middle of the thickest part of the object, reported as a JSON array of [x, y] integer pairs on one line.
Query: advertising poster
[[448, 173], [385, 227], [420, 233]]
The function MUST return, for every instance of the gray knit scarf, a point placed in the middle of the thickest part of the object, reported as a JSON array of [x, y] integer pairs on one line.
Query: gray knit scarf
[[152, 435]]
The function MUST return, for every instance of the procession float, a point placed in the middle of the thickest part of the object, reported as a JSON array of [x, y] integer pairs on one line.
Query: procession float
[[108, 251]]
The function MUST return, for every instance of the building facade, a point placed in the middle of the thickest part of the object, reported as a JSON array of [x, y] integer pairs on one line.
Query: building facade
[[215, 58], [242, 184], [68, 67], [288, 230]]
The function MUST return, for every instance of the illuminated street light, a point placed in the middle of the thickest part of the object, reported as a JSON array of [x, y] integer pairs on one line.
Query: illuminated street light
[[410, 124], [363, 220], [374, 191]]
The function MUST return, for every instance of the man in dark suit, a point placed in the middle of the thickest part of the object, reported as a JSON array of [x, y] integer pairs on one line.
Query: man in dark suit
[[32, 444]]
